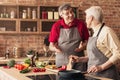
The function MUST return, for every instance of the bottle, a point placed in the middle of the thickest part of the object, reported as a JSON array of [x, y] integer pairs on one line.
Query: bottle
[[4, 13], [33, 14], [29, 13], [44, 14], [24, 14], [15, 52], [7, 54]]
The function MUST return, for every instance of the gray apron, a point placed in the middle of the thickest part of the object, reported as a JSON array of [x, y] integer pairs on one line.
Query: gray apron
[[96, 57], [69, 39]]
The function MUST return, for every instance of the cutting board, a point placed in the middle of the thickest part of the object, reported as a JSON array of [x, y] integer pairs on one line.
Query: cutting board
[[53, 70]]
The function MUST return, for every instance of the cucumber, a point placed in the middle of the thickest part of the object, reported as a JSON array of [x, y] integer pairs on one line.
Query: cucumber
[[25, 70]]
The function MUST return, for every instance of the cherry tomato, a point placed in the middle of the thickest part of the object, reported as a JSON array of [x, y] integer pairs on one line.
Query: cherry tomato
[[42, 70], [39, 70]]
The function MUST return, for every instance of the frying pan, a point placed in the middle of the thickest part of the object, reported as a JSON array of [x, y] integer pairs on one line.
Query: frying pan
[[70, 74]]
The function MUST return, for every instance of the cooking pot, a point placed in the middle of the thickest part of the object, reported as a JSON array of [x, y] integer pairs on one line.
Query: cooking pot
[[70, 74]]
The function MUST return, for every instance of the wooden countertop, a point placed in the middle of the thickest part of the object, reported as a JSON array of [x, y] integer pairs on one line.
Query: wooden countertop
[[3, 60], [14, 74]]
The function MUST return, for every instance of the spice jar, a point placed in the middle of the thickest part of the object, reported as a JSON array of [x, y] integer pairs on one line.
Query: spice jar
[[33, 14]]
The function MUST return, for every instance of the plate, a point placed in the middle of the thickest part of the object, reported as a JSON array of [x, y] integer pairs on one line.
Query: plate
[[52, 68]]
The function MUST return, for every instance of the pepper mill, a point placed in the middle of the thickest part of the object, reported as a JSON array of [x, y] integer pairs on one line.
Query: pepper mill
[[32, 61], [7, 54]]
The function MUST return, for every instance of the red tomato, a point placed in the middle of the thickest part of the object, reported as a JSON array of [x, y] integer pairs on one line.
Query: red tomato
[[15, 65], [64, 67], [20, 67]]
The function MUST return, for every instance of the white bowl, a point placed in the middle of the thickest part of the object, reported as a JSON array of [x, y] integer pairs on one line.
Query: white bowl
[[29, 56]]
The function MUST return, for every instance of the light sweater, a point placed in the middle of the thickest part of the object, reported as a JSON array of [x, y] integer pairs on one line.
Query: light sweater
[[108, 43]]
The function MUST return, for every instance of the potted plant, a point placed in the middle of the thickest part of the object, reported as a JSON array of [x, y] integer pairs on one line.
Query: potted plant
[[30, 53]]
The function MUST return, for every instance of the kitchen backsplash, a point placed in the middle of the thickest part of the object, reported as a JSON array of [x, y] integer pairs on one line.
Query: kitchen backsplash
[[8, 42]]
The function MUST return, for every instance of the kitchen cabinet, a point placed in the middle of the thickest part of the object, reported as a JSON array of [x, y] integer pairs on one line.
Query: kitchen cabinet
[[29, 26], [28, 19], [48, 16], [20, 19], [8, 24]]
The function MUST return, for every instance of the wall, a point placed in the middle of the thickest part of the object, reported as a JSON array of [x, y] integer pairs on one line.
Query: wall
[[111, 10]]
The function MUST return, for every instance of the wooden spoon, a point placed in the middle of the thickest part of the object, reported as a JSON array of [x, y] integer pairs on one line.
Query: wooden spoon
[[69, 65]]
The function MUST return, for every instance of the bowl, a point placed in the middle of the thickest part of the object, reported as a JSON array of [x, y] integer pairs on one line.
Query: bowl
[[29, 56], [70, 74]]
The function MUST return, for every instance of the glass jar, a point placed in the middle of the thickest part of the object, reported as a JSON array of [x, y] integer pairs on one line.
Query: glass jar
[[33, 14], [24, 14], [12, 14]]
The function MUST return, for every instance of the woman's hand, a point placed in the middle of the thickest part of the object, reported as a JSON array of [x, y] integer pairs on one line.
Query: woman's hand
[[101, 67], [95, 69]]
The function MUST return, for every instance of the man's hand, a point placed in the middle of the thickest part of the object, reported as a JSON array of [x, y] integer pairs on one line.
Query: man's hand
[[54, 47], [81, 47], [78, 59], [74, 58], [57, 50]]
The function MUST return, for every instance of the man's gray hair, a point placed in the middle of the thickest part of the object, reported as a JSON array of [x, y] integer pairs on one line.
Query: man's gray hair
[[63, 7], [96, 12]]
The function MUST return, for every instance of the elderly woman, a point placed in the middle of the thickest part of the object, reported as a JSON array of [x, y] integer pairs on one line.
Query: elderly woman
[[66, 36], [103, 47]]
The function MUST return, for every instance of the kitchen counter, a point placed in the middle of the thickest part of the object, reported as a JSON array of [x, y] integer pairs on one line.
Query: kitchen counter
[[4, 61], [13, 74]]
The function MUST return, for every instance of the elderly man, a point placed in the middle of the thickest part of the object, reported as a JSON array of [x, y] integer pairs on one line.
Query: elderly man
[[66, 37], [103, 47]]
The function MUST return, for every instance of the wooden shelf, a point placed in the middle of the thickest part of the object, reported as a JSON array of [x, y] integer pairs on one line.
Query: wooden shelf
[[19, 25]]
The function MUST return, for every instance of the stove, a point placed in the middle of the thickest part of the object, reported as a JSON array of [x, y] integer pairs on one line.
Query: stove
[[55, 77]]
